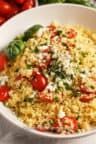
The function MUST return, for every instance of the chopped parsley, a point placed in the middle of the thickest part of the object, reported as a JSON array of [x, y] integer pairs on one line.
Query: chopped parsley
[[36, 50], [56, 99], [28, 66]]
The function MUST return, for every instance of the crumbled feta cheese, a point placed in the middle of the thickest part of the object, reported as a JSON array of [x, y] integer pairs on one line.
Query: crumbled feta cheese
[[61, 113], [51, 86], [58, 79], [70, 71], [42, 48], [40, 56], [60, 83], [66, 60], [3, 80]]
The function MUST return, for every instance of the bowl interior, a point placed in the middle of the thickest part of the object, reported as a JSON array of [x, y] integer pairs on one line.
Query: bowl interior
[[62, 13]]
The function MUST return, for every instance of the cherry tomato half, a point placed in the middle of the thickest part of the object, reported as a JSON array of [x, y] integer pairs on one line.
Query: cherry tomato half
[[56, 123], [19, 77], [86, 90], [2, 20], [71, 33], [39, 81], [4, 96], [86, 98], [20, 1], [5, 8], [45, 98], [15, 8], [70, 122], [28, 4], [3, 61], [42, 129]]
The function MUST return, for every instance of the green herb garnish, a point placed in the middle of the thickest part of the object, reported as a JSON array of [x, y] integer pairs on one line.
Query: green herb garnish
[[51, 121], [31, 32], [15, 48], [56, 99]]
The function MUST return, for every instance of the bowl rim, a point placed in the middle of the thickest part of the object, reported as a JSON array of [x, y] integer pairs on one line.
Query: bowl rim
[[35, 132], [26, 128], [48, 5]]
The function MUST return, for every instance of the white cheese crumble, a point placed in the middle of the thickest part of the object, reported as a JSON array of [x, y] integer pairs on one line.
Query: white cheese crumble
[[60, 83], [66, 60], [42, 48], [40, 56], [3, 80], [51, 86], [61, 113]]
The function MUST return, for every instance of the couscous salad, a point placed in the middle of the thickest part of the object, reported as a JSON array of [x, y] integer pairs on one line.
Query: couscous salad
[[48, 78]]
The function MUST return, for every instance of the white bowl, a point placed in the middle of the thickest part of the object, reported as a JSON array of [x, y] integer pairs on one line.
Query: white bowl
[[63, 13]]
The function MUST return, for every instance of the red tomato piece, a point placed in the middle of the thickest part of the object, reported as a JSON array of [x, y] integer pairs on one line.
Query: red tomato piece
[[52, 27], [71, 33], [5, 8], [15, 9], [3, 61], [70, 44], [42, 66], [71, 122], [19, 77], [86, 98], [53, 35], [86, 90], [45, 98], [20, 1], [56, 123], [28, 4], [4, 90], [2, 20], [39, 81], [48, 61], [42, 129], [8, 9]]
